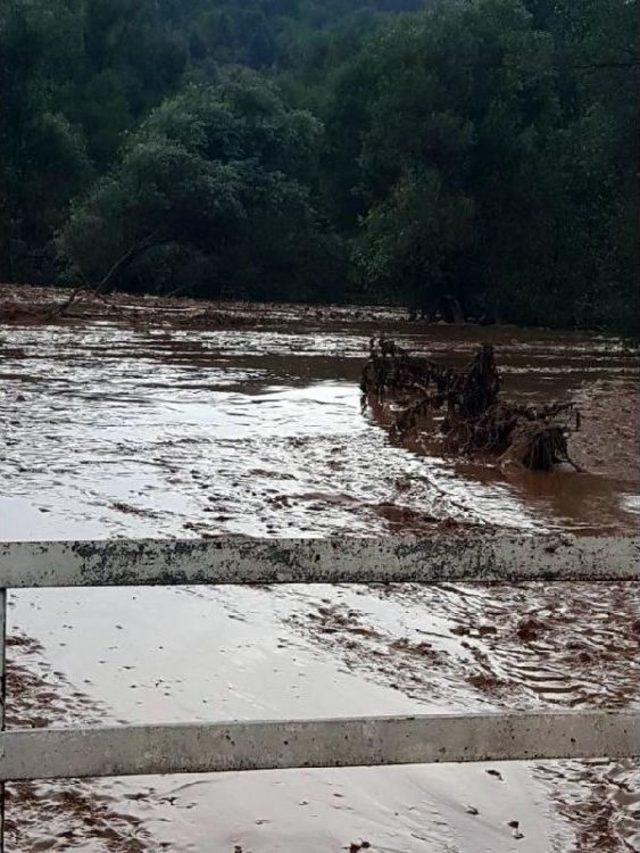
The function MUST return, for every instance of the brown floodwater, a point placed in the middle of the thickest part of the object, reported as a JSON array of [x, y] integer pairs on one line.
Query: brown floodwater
[[115, 430]]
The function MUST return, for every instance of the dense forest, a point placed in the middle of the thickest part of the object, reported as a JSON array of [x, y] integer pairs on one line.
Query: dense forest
[[475, 159]]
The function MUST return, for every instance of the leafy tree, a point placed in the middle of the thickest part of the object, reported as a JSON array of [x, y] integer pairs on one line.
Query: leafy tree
[[43, 160], [92, 70], [485, 153], [415, 236], [215, 173], [469, 157], [74, 76]]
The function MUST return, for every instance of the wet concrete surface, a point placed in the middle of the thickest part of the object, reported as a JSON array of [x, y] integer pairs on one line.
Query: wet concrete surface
[[114, 431]]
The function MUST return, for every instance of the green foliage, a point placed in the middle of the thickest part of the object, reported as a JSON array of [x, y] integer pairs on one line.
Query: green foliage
[[473, 160], [484, 152], [215, 174], [74, 75], [411, 238]]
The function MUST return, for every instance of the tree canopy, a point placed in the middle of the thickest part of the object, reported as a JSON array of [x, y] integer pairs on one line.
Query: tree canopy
[[475, 159], [209, 196]]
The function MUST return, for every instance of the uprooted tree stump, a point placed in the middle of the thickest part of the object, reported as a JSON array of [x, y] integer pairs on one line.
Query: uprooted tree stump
[[464, 410]]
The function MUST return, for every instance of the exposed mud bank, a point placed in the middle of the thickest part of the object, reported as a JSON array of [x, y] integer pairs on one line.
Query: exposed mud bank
[[30, 305], [608, 443]]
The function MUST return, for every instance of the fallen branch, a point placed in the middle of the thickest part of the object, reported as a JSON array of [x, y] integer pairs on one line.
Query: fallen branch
[[116, 269]]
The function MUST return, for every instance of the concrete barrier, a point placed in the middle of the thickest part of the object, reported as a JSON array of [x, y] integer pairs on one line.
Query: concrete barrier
[[227, 746], [345, 742], [484, 557]]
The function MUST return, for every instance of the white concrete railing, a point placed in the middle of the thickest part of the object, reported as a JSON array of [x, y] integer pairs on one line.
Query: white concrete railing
[[223, 746]]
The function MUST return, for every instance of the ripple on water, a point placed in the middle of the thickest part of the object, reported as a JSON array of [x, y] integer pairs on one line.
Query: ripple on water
[[114, 432]]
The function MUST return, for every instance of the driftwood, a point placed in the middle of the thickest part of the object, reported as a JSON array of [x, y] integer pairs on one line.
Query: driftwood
[[463, 408], [124, 261]]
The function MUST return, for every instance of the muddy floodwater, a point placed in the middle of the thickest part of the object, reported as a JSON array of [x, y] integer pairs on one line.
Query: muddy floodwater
[[118, 428]]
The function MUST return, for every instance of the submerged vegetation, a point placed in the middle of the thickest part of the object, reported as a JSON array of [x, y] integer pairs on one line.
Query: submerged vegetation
[[468, 160]]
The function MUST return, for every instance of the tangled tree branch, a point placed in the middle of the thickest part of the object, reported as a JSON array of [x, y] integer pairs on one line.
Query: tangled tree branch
[[473, 419]]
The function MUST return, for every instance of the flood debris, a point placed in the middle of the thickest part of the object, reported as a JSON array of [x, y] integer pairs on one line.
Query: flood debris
[[33, 305], [464, 409], [496, 773], [530, 629]]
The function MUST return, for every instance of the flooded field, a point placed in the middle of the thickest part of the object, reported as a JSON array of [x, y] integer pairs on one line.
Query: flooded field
[[114, 427]]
